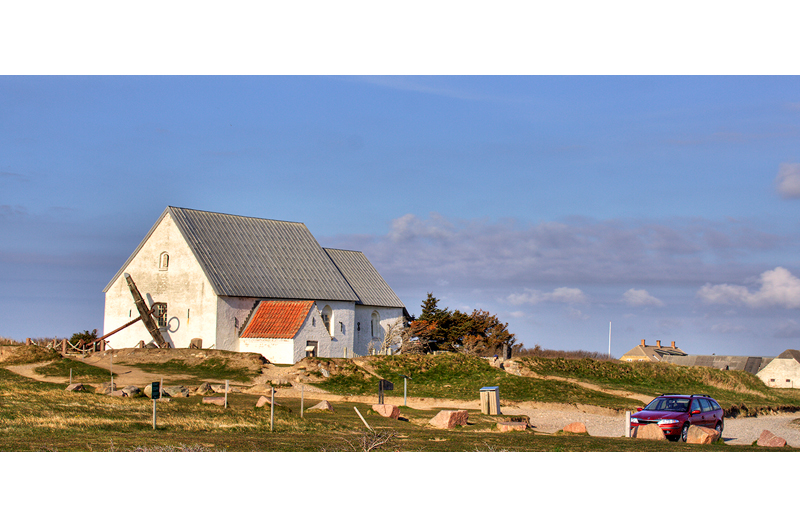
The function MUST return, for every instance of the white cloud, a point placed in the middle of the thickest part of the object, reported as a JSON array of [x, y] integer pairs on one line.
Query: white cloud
[[779, 288], [640, 298], [788, 180], [564, 295]]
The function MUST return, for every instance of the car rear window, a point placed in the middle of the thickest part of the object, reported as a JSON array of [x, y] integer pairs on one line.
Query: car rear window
[[706, 405], [714, 404]]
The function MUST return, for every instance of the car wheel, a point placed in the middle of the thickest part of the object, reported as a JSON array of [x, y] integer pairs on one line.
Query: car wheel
[[685, 432], [718, 428]]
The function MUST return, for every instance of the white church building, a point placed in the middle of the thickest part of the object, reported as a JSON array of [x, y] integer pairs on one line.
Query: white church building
[[250, 284]]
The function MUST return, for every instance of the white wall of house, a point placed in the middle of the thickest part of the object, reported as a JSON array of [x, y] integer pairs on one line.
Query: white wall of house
[[182, 285], [277, 351], [231, 314], [342, 328], [363, 323], [781, 373], [313, 330]]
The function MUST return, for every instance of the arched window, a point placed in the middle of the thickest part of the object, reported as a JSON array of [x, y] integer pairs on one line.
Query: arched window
[[163, 261], [376, 324], [327, 319]]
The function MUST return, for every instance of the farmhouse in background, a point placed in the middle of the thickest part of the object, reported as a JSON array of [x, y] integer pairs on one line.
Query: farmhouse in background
[[675, 355], [656, 353], [251, 284], [783, 371]]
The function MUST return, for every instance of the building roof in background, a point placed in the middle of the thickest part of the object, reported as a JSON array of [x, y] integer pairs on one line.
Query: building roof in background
[[790, 354], [277, 319]]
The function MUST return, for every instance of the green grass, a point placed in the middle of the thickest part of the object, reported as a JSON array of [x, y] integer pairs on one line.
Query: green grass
[[213, 368], [733, 389], [36, 416], [457, 376], [81, 372]]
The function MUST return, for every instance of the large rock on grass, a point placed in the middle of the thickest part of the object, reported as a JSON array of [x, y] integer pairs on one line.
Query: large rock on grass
[[176, 391], [322, 406], [769, 439], [651, 431], [132, 391], [106, 388], [701, 435], [204, 389], [511, 426], [387, 410], [76, 387], [450, 419], [575, 428], [219, 401]]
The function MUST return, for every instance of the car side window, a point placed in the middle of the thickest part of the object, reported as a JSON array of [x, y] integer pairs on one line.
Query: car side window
[[695, 404], [706, 405], [714, 404]]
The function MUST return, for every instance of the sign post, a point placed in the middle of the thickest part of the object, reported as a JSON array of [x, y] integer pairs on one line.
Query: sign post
[[155, 393]]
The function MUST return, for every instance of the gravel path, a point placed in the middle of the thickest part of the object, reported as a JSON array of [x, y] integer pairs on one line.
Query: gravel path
[[741, 431]]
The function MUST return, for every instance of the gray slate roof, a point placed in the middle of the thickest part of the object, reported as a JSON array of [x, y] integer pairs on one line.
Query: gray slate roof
[[259, 258], [368, 284]]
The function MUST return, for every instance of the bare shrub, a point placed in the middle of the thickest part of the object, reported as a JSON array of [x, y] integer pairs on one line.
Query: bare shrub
[[366, 441]]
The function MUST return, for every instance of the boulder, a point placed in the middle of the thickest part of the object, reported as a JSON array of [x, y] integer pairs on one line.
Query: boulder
[[449, 419], [259, 389], [387, 410], [512, 367], [76, 387], [220, 388], [651, 431], [700, 435], [196, 344], [324, 372], [219, 401], [510, 426], [575, 428], [204, 389], [322, 406], [767, 438], [148, 390], [106, 388], [118, 393], [132, 391], [263, 400], [176, 391]]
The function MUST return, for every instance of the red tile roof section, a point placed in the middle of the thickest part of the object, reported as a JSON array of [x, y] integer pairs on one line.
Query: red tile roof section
[[277, 319]]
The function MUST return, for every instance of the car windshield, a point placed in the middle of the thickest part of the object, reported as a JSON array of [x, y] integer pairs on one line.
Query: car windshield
[[668, 404]]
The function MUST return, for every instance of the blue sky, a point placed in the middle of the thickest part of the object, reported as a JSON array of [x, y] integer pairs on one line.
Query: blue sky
[[666, 205]]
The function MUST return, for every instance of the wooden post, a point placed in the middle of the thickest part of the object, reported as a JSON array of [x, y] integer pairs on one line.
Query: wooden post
[[64, 347], [405, 387], [302, 387], [70, 375], [111, 369], [154, 411], [628, 423], [362, 418], [226, 393], [272, 408]]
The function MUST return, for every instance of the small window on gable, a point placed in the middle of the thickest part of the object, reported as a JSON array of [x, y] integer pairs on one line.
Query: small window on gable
[[163, 261]]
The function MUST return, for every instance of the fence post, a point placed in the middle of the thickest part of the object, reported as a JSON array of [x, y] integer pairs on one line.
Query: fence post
[[302, 387], [226, 393], [627, 423], [272, 409]]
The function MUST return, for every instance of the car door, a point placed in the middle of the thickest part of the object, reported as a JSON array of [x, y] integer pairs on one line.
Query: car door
[[707, 413], [696, 413]]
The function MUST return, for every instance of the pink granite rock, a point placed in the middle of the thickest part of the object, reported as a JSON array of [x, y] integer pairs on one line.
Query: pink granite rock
[[651, 431], [219, 401], [767, 438], [387, 410], [575, 428], [510, 426], [700, 435], [449, 419]]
